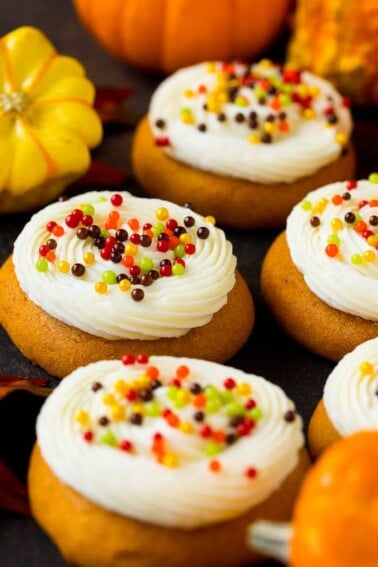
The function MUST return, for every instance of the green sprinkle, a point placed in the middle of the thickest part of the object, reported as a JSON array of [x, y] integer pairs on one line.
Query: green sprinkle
[[234, 409], [227, 396], [146, 264], [213, 405], [373, 178], [152, 409], [172, 392], [212, 448], [178, 270], [255, 414], [306, 205], [157, 228], [179, 251], [333, 239], [88, 209], [109, 439], [356, 259], [211, 393], [241, 101], [109, 277], [42, 265]]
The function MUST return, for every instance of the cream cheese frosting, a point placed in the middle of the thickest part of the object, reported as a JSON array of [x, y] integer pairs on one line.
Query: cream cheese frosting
[[171, 441], [351, 390], [333, 238], [259, 122], [76, 277]]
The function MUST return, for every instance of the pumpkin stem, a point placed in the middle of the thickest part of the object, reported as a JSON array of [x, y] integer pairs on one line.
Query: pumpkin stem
[[271, 538], [13, 102]]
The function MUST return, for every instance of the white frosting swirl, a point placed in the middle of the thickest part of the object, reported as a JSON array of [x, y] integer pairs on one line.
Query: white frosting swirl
[[224, 147], [350, 393], [347, 281], [171, 305], [134, 483]]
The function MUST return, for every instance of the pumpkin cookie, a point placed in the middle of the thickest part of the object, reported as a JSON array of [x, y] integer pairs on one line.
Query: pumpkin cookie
[[107, 272], [245, 142], [319, 278], [139, 432], [350, 401]]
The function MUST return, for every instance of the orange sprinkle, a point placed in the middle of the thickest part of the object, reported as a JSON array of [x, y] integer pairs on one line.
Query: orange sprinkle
[[133, 224], [127, 261], [215, 466], [219, 436], [182, 372], [50, 256], [337, 199], [152, 372], [58, 230], [199, 401], [173, 242], [275, 104], [173, 420]]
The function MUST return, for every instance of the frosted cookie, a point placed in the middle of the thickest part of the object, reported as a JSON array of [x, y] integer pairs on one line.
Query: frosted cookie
[[319, 277], [171, 458], [107, 272], [350, 398], [245, 142]]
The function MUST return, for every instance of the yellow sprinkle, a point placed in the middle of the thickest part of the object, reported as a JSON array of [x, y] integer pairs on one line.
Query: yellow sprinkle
[[341, 138], [269, 127], [170, 460], [266, 63], [82, 417], [243, 389], [186, 427], [143, 381], [187, 119], [138, 408], [320, 205], [314, 91], [185, 238], [366, 368], [372, 240], [183, 395], [132, 385], [64, 266], [88, 258], [120, 386], [101, 287], [108, 399], [131, 249], [210, 219], [221, 78], [309, 113], [210, 67], [162, 213], [254, 139], [303, 90], [124, 285], [336, 224], [189, 93], [369, 255], [117, 412]]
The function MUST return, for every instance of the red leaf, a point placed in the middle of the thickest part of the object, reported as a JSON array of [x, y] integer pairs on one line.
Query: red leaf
[[34, 385], [100, 173], [13, 493], [109, 104]]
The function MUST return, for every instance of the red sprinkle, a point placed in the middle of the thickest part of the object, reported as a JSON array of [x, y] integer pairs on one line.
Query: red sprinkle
[[251, 472], [128, 359], [88, 436], [162, 141], [142, 358], [229, 383], [351, 184], [126, 445], [116, 199]]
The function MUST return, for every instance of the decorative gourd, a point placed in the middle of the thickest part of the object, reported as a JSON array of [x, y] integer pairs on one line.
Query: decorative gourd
[[335, 521], [338, 39], [165, 35], [47, 122]]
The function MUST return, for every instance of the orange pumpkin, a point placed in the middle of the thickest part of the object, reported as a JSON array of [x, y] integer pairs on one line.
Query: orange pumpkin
[[165, 35], [335, 519]]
